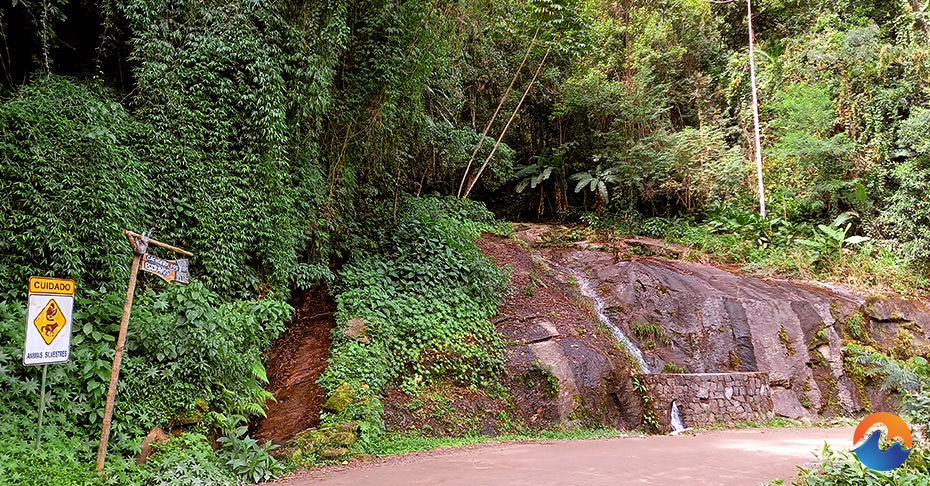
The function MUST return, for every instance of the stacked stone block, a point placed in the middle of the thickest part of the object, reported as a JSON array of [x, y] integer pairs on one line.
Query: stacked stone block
[[709, 398]]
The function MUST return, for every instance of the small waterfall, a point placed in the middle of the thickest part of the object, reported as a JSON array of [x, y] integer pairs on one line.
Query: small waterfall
[[588, 290], [676, 423]]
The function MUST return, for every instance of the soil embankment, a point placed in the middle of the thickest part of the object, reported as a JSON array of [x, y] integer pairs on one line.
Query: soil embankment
[[295, 363]]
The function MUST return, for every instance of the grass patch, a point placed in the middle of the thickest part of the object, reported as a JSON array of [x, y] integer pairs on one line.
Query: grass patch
[[786, 341], [401, 442], [782, 423], [649, 334], [674, 368]]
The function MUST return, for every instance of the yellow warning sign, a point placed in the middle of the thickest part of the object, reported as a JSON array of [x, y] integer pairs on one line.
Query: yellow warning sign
[[50, 321], [49, 285]]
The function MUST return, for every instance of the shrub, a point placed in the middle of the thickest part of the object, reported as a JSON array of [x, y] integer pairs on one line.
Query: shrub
[[425, 292], [189, 359], [186, 460], [192, 358], [840, 468], [69, 182], [250, 461], [54, 463], [908, 216]]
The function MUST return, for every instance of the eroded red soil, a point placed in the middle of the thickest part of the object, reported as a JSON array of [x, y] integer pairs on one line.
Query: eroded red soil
[[295, 363]]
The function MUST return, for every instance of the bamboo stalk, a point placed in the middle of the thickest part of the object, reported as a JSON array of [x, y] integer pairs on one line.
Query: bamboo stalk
[[487, 127], [507, 126]]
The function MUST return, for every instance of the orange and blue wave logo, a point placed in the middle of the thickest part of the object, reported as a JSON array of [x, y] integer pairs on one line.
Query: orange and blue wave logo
[[869, 452]]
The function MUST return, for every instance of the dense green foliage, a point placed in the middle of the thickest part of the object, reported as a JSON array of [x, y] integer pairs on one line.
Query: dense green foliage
[[191, 360], [841, 468], [656, 118], [425, 292], [905, 374], [271, 129], [69, 182], [259, 136], [185, 459]]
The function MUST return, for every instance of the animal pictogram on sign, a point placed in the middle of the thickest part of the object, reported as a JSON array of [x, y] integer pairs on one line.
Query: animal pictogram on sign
[[50, 321]]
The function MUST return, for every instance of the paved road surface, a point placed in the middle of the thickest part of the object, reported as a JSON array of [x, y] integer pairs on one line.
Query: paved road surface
[[719, 458]]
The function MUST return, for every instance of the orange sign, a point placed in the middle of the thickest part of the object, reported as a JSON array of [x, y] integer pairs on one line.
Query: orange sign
[[48, 285]]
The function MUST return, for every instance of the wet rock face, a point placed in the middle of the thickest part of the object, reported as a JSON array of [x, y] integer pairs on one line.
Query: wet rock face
[[707, 320], [685, 317], [593, 384], [560, 369]]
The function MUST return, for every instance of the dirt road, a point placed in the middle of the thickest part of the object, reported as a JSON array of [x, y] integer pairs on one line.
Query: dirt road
[[720, 458]]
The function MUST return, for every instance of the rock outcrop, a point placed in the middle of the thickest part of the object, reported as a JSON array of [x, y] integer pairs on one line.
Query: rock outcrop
[[708, 325], [561, 369], [698, 318]]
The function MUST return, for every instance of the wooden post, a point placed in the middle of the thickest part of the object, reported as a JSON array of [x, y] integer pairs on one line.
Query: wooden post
[[139, 245], [117, 359]]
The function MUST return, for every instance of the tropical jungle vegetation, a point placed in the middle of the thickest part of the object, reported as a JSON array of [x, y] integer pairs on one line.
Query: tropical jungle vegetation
[[364, 145]]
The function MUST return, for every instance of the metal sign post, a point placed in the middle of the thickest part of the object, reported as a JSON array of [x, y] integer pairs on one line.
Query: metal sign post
[[41, 407], [48, 329], [169, 270]]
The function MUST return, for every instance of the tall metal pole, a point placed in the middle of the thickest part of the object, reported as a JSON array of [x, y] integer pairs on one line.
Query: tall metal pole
[[755, 111], [117, 360]]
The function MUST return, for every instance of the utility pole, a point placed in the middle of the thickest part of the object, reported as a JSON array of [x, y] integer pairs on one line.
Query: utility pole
[[755, 111]]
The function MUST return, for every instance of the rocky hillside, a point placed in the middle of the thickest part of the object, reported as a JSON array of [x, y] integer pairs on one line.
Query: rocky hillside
[[585, 320], [562, 368], [686, 317]]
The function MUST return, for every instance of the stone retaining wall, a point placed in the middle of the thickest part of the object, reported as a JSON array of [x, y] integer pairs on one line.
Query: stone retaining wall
[[708, 398]]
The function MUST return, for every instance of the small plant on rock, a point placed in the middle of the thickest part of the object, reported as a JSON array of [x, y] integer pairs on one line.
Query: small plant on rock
[[673, 368]]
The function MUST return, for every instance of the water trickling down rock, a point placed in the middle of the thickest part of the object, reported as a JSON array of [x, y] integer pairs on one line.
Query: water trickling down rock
[[588, 291], [676, 423]]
